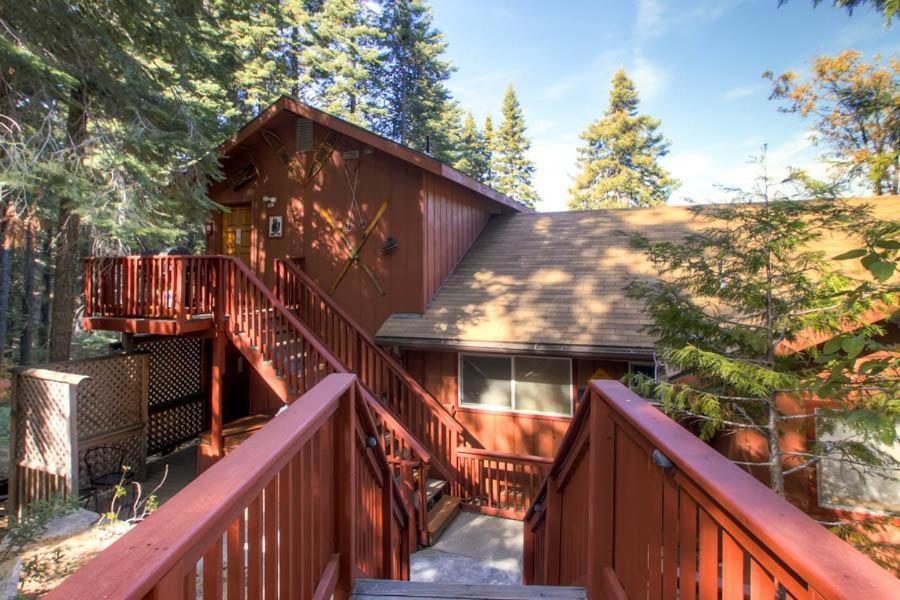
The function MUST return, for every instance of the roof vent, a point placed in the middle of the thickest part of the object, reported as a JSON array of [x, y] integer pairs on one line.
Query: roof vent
[[305, 135]]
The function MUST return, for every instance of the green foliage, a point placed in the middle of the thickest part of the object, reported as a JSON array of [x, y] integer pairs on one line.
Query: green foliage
[[473, 153], [888, 8], [412, 76], [617, 164], [753, 281], [342, 61], [512, 171], [856, 109]]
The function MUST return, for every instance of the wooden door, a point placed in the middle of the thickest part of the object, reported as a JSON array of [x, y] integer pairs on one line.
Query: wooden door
[[237, 229]]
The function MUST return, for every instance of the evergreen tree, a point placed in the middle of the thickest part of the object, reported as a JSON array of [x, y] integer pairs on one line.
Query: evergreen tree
[[618, 165], [512, 171], [413, 76], [342, 60], [732, 299], [110, 110], [472, 156], [488, 134]]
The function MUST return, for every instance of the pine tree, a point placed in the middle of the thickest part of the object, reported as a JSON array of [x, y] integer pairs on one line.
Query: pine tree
[[111, 111], [342, 60], [512, 171], [488, 134], [618, 165], [413, 75], [472, 156], [752, 279]]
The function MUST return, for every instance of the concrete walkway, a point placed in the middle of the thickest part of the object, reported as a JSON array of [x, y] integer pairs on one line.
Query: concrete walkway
[[474, 549]]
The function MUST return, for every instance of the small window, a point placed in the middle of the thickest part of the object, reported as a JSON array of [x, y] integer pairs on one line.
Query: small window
[[487, 381], [543, 385], [520, 383], [646, 369]]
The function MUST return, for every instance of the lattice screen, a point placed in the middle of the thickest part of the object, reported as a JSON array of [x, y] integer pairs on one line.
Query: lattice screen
[[107, 395], [175, 392]]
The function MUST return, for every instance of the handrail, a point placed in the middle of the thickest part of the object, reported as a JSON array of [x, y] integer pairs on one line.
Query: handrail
[[500, 483], [641, 484], [255, 498], [370, 343], [225, 286], [524, 458], [287, 268]]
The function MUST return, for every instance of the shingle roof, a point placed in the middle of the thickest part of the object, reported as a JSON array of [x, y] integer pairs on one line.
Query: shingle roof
[[555, 279]]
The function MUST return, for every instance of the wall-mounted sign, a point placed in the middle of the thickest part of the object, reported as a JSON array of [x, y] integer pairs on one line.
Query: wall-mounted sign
[[276, 227]]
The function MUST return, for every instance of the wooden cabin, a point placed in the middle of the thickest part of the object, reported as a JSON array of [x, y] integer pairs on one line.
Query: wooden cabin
[[452, 334]]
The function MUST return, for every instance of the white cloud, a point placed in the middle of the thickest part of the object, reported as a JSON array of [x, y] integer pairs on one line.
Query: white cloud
[[555, 164], [743, 91], [651, 79], [656, 18]]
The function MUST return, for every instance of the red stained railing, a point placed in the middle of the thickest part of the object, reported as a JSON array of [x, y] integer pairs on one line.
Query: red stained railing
[[635, 506], [173, 287], [499, 483], [298, 511], [426, 418], [182, 287]]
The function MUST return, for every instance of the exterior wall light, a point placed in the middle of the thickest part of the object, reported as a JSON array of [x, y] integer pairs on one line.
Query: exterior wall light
[[661, 460]]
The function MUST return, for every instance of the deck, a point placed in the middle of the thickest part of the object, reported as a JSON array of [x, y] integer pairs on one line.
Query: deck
[[379, 589]]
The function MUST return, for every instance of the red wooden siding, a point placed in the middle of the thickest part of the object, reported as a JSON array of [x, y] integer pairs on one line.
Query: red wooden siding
[[307, 234], [454, 216], [501, 431]]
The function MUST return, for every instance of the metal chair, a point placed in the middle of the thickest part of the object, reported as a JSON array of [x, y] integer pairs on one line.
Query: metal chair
[[100, 479]]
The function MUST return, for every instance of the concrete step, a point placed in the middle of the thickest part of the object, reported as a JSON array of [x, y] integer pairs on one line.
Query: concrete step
[[383, 589]]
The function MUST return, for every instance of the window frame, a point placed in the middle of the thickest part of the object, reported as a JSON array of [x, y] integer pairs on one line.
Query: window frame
[[512, 408]]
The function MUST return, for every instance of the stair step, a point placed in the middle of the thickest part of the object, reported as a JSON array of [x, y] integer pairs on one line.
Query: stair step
[[434, 489], [383, 589], [440, 516]]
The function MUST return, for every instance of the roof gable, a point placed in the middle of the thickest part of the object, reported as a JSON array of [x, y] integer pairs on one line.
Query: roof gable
[[387, 146]]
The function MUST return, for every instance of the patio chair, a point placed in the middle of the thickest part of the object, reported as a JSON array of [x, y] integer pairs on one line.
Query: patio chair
[[97, 462]]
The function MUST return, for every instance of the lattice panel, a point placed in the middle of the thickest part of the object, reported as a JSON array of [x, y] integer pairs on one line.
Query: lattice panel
[[174, 426], [42, 431], [111, 399], [175, 390]]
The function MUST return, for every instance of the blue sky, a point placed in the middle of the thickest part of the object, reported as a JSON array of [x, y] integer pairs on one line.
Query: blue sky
[[697, 65]]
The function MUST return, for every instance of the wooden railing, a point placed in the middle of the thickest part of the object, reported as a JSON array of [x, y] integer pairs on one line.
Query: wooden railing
[[426, 418], [254, 318], [499, 483], [298, 511], [637, 507], [174, 287]]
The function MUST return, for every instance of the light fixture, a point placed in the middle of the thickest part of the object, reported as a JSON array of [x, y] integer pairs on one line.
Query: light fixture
[[208, 228]]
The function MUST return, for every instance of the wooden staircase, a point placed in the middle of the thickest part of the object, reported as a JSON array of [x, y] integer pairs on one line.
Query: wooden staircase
[[386, 380], [383, 589]]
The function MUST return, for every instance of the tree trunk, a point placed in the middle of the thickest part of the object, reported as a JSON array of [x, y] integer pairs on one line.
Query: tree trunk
[[776, 469], [28, 301], [6, 243], [68, 225], [47, 291]]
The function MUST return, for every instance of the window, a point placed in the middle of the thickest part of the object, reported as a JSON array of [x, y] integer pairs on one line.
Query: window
[[646, 369], [521, 383], [846, 486]]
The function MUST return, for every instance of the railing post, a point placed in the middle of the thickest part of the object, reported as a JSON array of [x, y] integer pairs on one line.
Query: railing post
[[553, 527], [387, 524], [345, 492], [601, 453]]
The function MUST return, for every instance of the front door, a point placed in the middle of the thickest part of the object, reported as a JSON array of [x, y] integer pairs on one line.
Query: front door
[[236, 228]]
